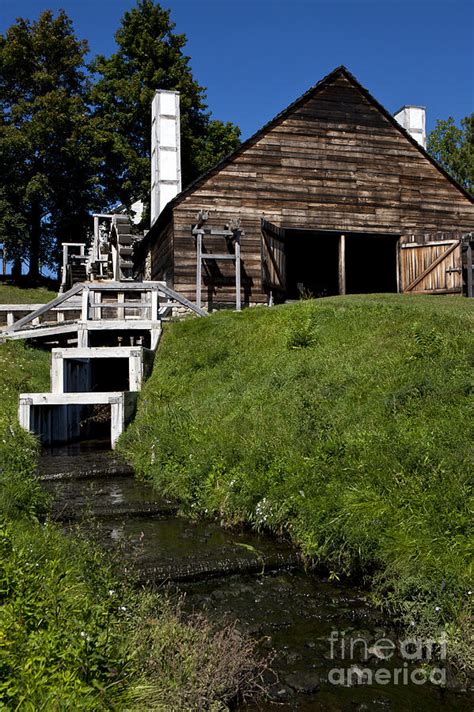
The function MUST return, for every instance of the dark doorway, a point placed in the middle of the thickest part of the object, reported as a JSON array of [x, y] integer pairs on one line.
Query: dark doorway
[[371, 263], [311, 264], [322, 263], [96, 374]]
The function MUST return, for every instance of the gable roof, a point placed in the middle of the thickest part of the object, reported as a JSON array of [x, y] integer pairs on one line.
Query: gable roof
[[339, 71]]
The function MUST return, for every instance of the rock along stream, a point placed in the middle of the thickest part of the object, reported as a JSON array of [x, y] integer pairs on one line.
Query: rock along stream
[[254, 579]]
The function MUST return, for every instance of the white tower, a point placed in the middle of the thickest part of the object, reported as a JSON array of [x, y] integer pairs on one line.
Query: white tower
[[165, 150], [413, 120]]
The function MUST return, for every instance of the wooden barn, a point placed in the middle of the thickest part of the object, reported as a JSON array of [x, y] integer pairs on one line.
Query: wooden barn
[[331, 197]]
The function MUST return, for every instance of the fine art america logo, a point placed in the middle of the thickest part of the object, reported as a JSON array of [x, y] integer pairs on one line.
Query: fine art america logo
[[411, 661]]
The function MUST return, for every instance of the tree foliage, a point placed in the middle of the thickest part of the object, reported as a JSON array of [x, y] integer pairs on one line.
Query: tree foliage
[[453, 148], [46, 139], [69, 145], [149, 57]]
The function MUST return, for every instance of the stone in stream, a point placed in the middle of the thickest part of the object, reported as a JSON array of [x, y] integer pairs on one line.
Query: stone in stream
[[304, 682], [279, 693]]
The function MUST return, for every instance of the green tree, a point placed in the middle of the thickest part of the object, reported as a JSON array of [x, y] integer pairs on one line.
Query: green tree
[[453, 148], [150, 57], [47, 140]]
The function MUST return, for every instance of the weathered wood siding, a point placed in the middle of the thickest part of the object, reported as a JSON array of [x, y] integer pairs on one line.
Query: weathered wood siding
[[336, 162], [162, 257]]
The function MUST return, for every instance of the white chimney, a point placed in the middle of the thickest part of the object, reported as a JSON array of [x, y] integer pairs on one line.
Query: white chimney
[[413, 119], [165, 150]]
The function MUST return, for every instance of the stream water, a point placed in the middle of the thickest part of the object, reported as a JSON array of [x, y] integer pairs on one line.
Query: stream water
[[254, 579]]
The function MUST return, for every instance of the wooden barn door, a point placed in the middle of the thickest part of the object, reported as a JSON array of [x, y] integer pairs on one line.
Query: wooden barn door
[[273, 257], [432, 268]]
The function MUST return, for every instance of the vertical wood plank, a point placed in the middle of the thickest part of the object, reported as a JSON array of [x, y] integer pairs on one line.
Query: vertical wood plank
[[398, 267], [57, 373], [120, 300], [342, 264], [238, 298], [198, 267], [135, 369], [154, 304], [85, 304], [469, 270]]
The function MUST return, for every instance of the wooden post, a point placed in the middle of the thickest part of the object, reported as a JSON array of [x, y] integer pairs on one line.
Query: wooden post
[[64, 265], [97, 300], [469, 270], [198, 267], [154, 304], [238, 302], [120, 311], [82, 336], [135, 370], [24, 412], [85, 304], [116, 420], [342, 264], [397, 266], [155, 334], [57, 373]]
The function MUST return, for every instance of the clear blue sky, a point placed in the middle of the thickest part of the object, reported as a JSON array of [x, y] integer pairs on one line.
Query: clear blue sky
[[257, 56]]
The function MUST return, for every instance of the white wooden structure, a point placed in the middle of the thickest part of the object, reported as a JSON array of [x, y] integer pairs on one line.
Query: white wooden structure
[[140, 361], [125, 318], [56, 417], [165, 150]]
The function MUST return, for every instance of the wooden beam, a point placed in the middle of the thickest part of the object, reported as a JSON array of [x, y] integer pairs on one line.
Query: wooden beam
[[120, 305], [397, 266], [46, 307], [342, 264], [181, 300], [154, 304], [217, 256], [198, 267], [469, 270], [238, 299], [85, 304], [52, 329]]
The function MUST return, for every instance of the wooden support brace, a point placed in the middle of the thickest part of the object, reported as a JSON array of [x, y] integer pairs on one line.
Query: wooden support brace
[[238, 298], [198, 267], [342, 264], [85, 304], [469, 270]]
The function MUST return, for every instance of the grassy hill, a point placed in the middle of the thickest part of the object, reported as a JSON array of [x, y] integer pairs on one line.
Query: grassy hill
[[25, 295], [344, 422]]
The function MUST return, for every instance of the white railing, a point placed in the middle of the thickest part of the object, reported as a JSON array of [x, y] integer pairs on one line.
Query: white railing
[[99, 301]]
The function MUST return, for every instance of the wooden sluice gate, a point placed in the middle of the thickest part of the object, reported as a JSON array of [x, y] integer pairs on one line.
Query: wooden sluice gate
[[99, 359]]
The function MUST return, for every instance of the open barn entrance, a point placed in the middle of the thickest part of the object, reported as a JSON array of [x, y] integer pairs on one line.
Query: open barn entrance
[[370, 263], [311, 264], [299, 263]]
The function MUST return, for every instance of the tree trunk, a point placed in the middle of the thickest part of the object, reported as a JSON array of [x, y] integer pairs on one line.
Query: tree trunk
[[35, 237], [16, 269]]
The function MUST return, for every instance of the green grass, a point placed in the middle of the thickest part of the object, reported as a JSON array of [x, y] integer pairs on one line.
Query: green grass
[[25, 295], [344, 422], [21, 370]]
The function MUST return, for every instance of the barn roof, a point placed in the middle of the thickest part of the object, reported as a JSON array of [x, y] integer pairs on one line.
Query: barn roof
[[339, 71]]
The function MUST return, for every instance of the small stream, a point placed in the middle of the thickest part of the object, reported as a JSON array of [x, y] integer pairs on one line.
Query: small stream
[[254, 579]]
